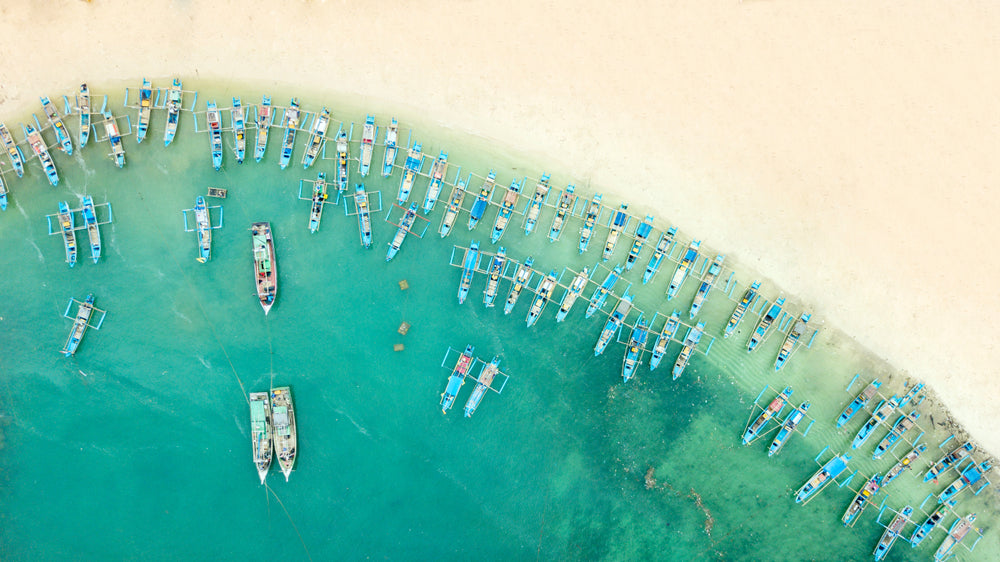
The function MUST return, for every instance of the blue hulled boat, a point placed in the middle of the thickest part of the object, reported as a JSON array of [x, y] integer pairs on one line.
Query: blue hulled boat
[[903, 464], [535, 207], [93, 231], [613, 324], [317, 138], [80, 325], [62, 133], [892, 532], [706, 285], [662, 248], [391, 138], [601, 293], [66, 222], [828, 473], [83, 107], [115, 138], [791, 340], [239, 130], [319, 197], [969, 477], [483, 383], [368, 135], [663, 340], [290, 121], [904, 423], [765, 322], [787, 428], [411, 168], [861, 500], [145, 110], [454, 207], [773, 410], [174, 97], [364, 215], [342, 158], [683, 269], [522, 277], [925, 528], [859, 403], [13, 151], [633, 352], [567, 201], [497, 265], [483, 200], [437, 173], [543, 293], [37, 144], [404, 228], [264, 116], [641, 234], [741, 309], [456, 379], [690, 344], [469, 265], [576, 287], [882, 412], [203, 225], [618, 224], [506, 210], [951, 459], [590, 220], [214, 119]]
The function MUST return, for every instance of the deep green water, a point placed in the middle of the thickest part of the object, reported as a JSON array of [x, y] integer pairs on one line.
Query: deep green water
[[138, 447]]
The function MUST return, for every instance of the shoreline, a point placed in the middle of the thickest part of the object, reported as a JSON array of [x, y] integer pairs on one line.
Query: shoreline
[[869, 166]]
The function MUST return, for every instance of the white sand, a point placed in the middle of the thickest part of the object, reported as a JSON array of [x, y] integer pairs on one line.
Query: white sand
[[846, 150]]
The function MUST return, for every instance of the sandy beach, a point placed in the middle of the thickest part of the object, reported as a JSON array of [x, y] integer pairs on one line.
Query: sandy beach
[[844, 151]]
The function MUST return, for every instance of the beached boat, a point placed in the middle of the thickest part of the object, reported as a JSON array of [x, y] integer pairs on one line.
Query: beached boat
[[755, 429], [903, 464], [925, 528], [948, 461], [214, 119], [80, 325], [706, 285], [290, 121], [264, 116], [454, 206], [506, 210], [83, 107], [93, 231], [495, 273], [633, 352], [969, 477], [265, 268], [364, 215], [145, 110], [405, 224], [483, 383], [661, 251], [535, 207], [892, 531], [115, 138], [576, 287], [765, 322], [437, 173], [787, 428], [37, 144], [882, 412], [389, 158], [469, 265], [618, 224], [482, 202], [239, 130], [175, 96], [13, 151], [641, 234], [567, 201], [368, 135], [543, 293], [690, 344], [68, 232], [203, 225], [62, 133], [456, 379], [663, 340], [411, 168], [861, 500], [828, 473], [319, 197], [613, 324], [788, 346], [683, 269], [260, 432], [284, 433], [956, 533], [859, 403], [601, 293], [904, 423], [342, 158], [521, 278], [317, 138], [589, 221], [741, 308]]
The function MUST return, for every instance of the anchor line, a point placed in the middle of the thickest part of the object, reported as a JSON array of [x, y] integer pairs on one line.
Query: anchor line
[[290, 520], [270, 349]]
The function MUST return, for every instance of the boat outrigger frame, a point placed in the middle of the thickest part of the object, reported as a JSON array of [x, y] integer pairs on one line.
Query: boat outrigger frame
[[90, 321]]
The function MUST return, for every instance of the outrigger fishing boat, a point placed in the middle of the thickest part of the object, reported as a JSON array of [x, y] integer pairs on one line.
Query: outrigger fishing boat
[[882, 412], [115, 138], [93, 232], [601, 293], [404, 228], [368, 135], [706, 285], [389, 158], [904, 423], [956, 533], [754, 430], [456, 379], [683, 269], [62, 133], [925, 528], [260, 432], [903, 464], [438, 170], [317, 138], [483, 200], [496, 271], [204, 229], [174, 97], [576, 287], [80, 325], [741, 309], [787, 428], [454, 206], [861, 500], [948, 461], [506, 210], [828, 473], [215, 133], [618, 224], [859, 403], [145, 110], [239, 130], [469, 265], [364, 215], [264, 116], [663, 340], [633, 352], [971, 476], [535, 207], [566, 204], [411, 168], [593, 212], [486, 377], [690, 343], [662, 247], [318, 202], [788, 346], [83, 106], [68, 232], [543, 292], [37, 144], [765, 322], [285, 436], [641, 234], [265, 268], [613, 324], [13, 151], [290, 121], [892, 531], [521, 279]]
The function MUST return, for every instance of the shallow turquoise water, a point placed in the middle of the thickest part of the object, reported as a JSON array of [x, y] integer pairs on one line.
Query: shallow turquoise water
[[137, 448]]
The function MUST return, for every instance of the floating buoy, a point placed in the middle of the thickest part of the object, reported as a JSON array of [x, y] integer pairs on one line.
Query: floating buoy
[[403, 328], [403, 285], [397, 347]]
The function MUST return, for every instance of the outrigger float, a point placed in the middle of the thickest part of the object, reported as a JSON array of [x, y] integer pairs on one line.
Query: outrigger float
[[498, 265], [81, 321], [238, 117], [285, 433], [214, 119], [363, 209], [567, 206], [290, 122], [265, 269], [543, 293], [13, 151], [892, 532], [405, 226], [83, 108], [971, 475], [37, 144], [437, 173], [535, 207], [145, 110], [601, 293], [641, 235], [634, 349], [589, 221], [62, 133], [455, 200], [469, 265], [824, 476], [617, 225], [614, 323], [690, 344], [859, 403], [263, 119], [522, 276], [483, 200], [317, 138], [791, 422], [664, 338], [707, 283], [791, 340], [411, 169], [391, 138], [576, 287], [507, 205], [260, 432], [203, 226], [741, 308], [760, 332], [773, 410], [368, 134], [683, 269], [662, 250]]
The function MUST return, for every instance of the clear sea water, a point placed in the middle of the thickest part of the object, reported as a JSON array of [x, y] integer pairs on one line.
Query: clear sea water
[[138, 448]]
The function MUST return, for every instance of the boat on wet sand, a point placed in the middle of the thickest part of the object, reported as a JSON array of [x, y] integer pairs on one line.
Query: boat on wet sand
[[13, 151], [901, 426], [389, 158], [368, 135], [265, 268], [145, 110], [290, 121], [741, 309], [317, 138], [239, 130], [264, 115], [535, 207], [37, 144], [62, 133], [882, 412], [260, 432], [590, 220], [683, 269], [706, 285], [791, 340], [214, 119], [174, 97], [566, 203], [662, 248], [83, 107], [765, 322], [284, 432]]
